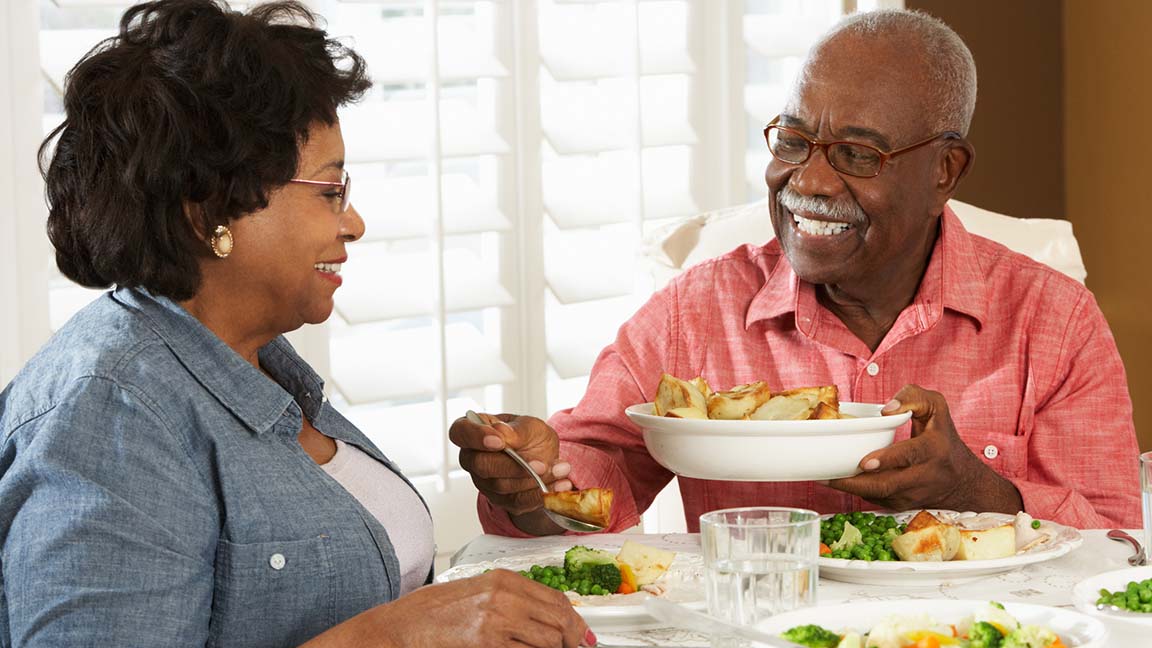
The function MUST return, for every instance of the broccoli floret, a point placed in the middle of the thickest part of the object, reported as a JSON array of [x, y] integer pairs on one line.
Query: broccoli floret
[[595, 579], [812, 636], [591, 571], [579, 556], [984, 635]]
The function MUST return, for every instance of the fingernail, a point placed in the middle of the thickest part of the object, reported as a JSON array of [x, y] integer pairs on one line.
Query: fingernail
[[561, 470], [493, 442], [871, 464], [538, 466], [589, 637], [822, 482], [562, 485], [891, 406]]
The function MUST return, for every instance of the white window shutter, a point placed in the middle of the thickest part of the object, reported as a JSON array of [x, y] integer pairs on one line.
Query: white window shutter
[[509, 161]]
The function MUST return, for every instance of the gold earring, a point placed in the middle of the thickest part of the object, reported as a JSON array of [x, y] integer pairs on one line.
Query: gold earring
[[221, 241]]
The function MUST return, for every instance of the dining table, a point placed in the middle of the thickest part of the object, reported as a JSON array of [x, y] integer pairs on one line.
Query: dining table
[[1046, 583]]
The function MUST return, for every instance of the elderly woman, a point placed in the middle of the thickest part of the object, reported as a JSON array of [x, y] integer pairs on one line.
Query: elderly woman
[[170, 472]]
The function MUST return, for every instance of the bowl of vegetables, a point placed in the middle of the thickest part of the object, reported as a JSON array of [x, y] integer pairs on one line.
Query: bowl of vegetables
[[1123, 595], [955, 623]]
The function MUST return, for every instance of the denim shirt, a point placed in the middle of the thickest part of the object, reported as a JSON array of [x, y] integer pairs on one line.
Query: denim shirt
[[153, 492]]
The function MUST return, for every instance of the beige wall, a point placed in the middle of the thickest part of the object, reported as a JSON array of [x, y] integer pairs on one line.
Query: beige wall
[[1063, 129], [1108, 181]]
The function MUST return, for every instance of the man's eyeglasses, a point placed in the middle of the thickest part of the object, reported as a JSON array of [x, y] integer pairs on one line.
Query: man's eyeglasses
[[851, 158], [345, 188]]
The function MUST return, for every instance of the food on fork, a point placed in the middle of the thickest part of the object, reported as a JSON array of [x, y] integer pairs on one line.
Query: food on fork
[[591, 505]]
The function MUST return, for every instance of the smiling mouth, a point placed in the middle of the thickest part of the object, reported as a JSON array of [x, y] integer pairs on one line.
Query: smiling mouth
[[815, 227], [330, 268]]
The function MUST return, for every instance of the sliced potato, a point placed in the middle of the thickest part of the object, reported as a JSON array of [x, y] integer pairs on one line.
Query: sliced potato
[[784, 408], [824, 412], [687, 413], [673, 393], [738, 402], [647, 563], [927, 539], [827, 394], [986, 544], [699, 383]]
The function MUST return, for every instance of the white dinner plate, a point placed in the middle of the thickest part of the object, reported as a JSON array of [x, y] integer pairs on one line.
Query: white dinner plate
[[766, 450], [1086, 592], [683, 583], [1076, 629], [898, 572]]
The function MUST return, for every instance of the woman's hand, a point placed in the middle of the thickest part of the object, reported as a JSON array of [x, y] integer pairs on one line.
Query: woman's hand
[[501, 479], [498, 608]]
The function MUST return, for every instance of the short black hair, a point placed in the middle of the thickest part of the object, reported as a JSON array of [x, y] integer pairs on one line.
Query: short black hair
[[181, 122]]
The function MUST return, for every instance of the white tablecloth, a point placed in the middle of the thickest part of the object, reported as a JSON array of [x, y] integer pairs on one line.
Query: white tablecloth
[[1046, 583]]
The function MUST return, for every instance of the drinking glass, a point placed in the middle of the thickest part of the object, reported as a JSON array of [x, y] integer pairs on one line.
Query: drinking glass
[[759, 561], [1146, 499]]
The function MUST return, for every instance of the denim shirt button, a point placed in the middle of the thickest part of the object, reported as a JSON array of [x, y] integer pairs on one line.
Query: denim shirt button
[[277, 561]]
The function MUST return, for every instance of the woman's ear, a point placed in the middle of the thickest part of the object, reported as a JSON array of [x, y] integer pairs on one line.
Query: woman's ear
[[195, 216]]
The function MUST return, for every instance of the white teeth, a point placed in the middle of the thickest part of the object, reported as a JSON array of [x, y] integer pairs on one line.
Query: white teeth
[[327, 267], [818, 227]]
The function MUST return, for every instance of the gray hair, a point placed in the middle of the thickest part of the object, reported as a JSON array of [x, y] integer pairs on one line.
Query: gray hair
[[950, 66]]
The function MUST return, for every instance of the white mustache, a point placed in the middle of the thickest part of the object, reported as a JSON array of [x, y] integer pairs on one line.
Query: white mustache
[[794, 202]]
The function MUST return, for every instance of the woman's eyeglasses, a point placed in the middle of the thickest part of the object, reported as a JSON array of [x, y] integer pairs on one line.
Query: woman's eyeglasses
[[345, 188], [851, 158]]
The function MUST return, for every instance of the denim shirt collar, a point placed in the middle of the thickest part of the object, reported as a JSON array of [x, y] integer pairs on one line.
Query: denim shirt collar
[[251, 396]]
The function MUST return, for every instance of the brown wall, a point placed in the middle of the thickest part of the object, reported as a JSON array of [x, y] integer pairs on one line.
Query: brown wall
[[1108, 145], [1018, 127], [1062, 131]]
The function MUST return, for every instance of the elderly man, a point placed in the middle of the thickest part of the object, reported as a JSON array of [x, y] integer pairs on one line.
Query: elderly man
[[873, 285]]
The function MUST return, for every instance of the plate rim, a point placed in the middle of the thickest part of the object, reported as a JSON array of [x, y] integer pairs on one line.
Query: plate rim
[[959, 568]]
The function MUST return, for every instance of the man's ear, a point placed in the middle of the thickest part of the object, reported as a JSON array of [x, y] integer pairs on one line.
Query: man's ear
[[955, 163]]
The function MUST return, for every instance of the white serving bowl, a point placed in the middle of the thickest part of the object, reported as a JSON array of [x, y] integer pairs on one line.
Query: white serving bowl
[[767, 450]]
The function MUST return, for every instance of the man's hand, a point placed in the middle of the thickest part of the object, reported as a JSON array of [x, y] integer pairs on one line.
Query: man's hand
[[500, 478], [933, 469]]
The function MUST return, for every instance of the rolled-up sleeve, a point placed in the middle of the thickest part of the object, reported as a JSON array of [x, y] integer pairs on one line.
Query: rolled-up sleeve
[[109, 528], [604, 448]]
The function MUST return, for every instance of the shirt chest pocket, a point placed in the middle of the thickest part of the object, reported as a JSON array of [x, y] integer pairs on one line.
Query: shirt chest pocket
[[272, 593], [1007, 454]]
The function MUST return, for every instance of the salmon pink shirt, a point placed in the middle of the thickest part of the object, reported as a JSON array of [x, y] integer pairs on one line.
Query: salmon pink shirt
[[1021, 352]]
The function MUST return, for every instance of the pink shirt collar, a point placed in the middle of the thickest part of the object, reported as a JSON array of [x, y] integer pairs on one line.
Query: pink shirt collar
[[954, 256]]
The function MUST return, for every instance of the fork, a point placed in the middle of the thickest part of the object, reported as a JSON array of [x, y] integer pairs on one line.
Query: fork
[[1137, 559], [562, 521]]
